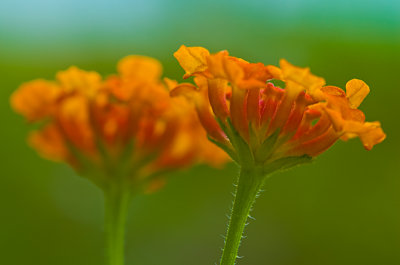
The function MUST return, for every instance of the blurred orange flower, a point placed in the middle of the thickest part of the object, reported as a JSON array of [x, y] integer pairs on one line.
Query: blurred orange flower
[[126, 124], [304, 118]]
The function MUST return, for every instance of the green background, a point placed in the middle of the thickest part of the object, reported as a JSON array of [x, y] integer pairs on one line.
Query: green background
[[344, 209]]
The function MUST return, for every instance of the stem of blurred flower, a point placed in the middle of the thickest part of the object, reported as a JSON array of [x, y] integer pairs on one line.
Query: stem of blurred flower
[[248, 185], [117, 198]]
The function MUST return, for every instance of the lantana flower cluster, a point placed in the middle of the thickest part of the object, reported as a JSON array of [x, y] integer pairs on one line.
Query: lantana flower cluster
[[302, 118], [125, 122]]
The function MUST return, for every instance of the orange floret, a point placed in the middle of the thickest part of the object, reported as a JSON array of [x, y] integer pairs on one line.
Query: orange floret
[[124, 124], [305, 117]]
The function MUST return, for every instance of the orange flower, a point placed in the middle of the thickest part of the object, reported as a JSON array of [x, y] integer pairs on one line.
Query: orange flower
[[257, 122], [126, 124]]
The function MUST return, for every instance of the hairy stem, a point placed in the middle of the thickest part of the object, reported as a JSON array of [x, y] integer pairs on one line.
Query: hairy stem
[[249, 183], [117, 198]]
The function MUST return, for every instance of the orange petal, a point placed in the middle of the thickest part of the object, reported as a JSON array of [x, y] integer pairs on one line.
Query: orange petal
[[73, 117], [302, 76], [187, 90], [356, 91], [373, 135], [139, 68], [112, 121], [217, 95], [253, 107], [238, 110], [222, 66], [171, 84], [322, 125], [317, 145], [192, 59], [272, 97], [209, 123], [203, 108], [75, 79], [338, 122], [292, 91], [306, 125], [296, 115], [370, 133], [333, 91], [275, 72], [256, 71], [49, 142], [36, 99]]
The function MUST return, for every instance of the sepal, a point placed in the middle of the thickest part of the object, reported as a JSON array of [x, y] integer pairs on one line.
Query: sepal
[[265, 150], [227, 149], [242, 148], [286, 163]]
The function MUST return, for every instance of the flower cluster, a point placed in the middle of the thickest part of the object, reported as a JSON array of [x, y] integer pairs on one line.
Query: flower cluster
[[246, 113], [126, 124]]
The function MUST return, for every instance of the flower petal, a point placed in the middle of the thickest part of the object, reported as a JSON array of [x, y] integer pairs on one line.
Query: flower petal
[[370, 133], [217, 95], [139, 68], [192, 59], [35, 100], [49, 142], [302, 76], [356, 91], [222, 66], [74, 79]]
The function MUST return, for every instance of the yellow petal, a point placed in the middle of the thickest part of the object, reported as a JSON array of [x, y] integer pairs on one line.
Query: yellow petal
[[302, 76], [187, 90], [74, 108], [221, 65], [192, 59], [356, 91], [171, 84], [36, 99], [75, 79], [336, 118], [139, 68], [370, 133], [373, 135], [276, 72]]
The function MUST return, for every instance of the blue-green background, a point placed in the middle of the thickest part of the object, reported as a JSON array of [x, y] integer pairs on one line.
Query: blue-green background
[[344, 209]]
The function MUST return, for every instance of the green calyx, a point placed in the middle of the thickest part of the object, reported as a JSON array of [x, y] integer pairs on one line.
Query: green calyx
[[257, 154], [126, 166]]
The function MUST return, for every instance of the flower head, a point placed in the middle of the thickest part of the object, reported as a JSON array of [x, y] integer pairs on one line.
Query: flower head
[[126, 125], [258, 122]]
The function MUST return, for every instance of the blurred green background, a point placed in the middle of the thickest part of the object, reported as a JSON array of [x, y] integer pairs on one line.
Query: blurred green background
[[344, 209]]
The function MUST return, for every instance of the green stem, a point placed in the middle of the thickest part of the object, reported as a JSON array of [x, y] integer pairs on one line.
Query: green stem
[[249, 183], [117, 198]]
